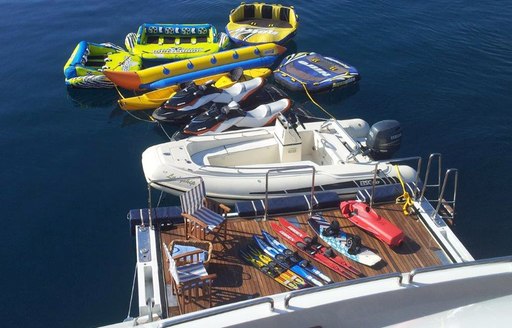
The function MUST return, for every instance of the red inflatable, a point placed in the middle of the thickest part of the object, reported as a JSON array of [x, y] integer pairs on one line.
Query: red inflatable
[[367, 219]]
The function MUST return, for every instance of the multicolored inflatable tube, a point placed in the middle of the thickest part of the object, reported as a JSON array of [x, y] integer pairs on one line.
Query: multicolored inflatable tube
[[175, 41], [314, 72], [155, 98], [186, 70], [258, 23], [84, 68]]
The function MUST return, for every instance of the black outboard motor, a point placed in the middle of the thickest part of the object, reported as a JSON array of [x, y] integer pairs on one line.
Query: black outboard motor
[[384, 139]]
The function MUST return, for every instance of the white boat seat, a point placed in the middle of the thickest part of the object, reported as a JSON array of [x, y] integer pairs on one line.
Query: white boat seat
[[206, 156], [239, 90], [260, 112]]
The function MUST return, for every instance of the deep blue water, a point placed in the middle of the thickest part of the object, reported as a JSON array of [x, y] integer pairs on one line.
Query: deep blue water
[[70, 161]]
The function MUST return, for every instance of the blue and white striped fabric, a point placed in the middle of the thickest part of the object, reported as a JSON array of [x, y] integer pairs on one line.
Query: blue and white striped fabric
[[172, 265], [192, 203], [191, 271], [184, 273], [209, 217], [193, 199]]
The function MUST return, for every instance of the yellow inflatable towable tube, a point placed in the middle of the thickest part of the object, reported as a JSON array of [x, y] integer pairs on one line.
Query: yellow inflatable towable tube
[[165, 75], [85, 66], [257, 23], [156, 98], [166, 42]]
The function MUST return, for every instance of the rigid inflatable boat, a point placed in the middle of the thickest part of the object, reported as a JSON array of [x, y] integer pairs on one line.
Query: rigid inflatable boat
[[314, 72], [342, 154], [175, 41], [84, 68], [155, 98], [261, 23], [190, 69]]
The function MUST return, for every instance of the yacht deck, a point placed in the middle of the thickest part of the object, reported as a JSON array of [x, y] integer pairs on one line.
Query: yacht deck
[[237, 280]]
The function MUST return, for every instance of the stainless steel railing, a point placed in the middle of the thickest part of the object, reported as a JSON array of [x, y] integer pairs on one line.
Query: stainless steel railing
[[291, 168]]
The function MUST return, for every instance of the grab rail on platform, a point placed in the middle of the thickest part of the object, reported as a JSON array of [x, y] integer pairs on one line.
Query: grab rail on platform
[[441, 186], [291, 168], [426, 184], [448, 205]]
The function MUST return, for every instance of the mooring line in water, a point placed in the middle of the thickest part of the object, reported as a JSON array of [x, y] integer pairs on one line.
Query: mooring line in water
[[314, 102], [119, 92], [151, 120], [128, 317], [165, 132], [307, 92]]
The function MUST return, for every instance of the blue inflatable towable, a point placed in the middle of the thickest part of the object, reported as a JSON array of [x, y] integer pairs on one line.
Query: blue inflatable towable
[[314, 72]]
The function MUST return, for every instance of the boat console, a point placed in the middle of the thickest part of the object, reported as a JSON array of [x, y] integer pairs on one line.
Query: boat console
[[289, 141]]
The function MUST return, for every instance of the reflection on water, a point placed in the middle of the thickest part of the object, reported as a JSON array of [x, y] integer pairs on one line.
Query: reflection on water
[[92, 98]]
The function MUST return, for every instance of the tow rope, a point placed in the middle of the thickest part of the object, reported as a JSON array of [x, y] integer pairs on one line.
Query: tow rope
[[405, 198], [305, 89]]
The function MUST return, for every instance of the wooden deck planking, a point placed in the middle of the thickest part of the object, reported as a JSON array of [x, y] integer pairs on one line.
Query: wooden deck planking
[[238, 281]]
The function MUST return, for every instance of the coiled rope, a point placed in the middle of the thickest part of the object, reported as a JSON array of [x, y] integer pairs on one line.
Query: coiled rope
[[405, 198]]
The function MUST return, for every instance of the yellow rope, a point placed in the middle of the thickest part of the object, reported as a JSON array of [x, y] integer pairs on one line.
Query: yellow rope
[[307, 92], [119, 92], [405, 198]]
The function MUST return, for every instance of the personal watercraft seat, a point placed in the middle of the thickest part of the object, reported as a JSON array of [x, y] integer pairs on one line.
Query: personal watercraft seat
[[241, 90], [194, 99], [264, 113]]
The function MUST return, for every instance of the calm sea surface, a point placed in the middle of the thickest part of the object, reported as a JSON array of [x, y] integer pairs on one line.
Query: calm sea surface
[[70, 160]]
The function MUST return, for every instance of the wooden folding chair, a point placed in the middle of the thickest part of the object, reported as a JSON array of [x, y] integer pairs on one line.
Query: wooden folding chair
[[203, 216], [189, 279]]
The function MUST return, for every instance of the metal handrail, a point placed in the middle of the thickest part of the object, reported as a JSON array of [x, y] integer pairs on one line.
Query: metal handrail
[[441, 200], [313, 290], [355, 147], [427, 174], [375, 171], [291, 168], [150, 209], [217, 311], [415, 272]]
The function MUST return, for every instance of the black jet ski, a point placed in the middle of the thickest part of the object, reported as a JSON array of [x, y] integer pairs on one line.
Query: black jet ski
[[194, 99], [259, 110]]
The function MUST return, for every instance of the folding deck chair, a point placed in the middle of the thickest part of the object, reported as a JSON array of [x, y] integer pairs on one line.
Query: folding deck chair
[[203, 216], [189, 279]]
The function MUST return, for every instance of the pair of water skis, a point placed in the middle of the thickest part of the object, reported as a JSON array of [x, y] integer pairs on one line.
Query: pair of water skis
[[285, 266]]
